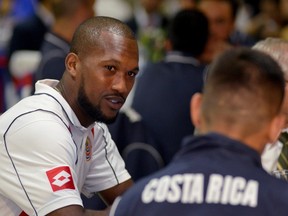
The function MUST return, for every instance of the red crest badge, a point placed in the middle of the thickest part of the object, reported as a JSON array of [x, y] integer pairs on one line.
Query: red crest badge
[[88, 149]]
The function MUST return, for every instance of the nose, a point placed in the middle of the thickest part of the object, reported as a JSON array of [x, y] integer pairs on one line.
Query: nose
[[120, 84]]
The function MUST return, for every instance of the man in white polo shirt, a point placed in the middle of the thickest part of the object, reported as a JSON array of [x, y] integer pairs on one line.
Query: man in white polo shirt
[[55, 144]]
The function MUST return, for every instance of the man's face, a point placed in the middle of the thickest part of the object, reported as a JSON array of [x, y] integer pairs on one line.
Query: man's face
[[106, 76], [219, 14]]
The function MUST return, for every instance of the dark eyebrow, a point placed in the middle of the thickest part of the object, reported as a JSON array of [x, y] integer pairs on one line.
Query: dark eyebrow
[[136, 69]]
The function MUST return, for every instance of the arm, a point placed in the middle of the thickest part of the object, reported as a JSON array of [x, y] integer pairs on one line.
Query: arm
[[107, 174], [75, 210], [110, 194]]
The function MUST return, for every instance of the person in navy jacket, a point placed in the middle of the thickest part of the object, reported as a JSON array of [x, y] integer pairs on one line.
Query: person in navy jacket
[[164, 89], [219, 171]]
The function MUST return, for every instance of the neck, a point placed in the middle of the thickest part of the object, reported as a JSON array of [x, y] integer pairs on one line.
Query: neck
[[256, 141]]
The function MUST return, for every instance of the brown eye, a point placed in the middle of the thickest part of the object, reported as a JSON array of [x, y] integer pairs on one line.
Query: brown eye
[[110, 68], [132, 74]]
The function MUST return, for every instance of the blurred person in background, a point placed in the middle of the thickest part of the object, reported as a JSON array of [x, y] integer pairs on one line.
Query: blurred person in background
[[223, 34], [68, 15], [6, 25], [28, 34], [275, 154], [187, 4], [267, 22], [149, 23], [283, 8], [7, 21], [164, 89], [219, 171], [24, 50]]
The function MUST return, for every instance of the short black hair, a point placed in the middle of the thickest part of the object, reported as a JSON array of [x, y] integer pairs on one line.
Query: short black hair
[[243, 85], [86, 36], [188, 31]]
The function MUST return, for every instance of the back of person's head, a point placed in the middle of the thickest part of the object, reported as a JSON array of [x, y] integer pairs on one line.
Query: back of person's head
[[86, 36], [278, 49], [244, 89], [188, 31]]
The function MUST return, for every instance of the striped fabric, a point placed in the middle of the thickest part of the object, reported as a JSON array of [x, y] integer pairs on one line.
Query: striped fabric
[[283, 158]]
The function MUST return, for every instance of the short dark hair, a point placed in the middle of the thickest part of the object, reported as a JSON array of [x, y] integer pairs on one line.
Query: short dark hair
[[243, 86], [188, 31], [86, 36]]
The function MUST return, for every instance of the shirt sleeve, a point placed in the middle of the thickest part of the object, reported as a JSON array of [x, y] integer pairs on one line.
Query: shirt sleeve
[[108, 167], [39, 160]]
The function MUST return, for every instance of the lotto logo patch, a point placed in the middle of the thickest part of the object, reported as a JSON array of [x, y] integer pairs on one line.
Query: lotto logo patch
[[23, 214], [60, 178]]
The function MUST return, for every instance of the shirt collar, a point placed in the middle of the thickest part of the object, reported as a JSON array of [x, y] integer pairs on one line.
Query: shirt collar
[[180, 57], [47, 86], [215, 140], [58, 41]]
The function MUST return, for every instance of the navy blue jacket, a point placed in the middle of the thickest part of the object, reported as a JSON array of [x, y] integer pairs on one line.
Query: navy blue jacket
[[52, 65], [211, 175], [162, 97], [54, 50]]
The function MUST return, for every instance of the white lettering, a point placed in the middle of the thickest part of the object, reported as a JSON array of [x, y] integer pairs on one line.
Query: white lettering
[[226, 189], [175, 191], [238, 185], [162, 189], [186, 188], [149, 191], [250, 196], [214, 188], [189, 188], [197, 189]]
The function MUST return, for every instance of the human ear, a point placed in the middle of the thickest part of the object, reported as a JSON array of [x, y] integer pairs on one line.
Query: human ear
[[70, 63], [276, 127], [195, 109]]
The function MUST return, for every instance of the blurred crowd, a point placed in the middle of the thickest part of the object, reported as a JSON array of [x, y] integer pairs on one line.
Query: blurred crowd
[[251, 22]]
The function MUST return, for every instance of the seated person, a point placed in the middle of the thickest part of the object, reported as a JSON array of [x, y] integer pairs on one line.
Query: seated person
[[219, 171], [164, 89], [55, 143], [277, 48]]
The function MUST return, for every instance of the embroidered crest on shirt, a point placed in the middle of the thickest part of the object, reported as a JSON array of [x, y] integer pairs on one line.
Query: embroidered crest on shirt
[[88, 149], [60, 178]]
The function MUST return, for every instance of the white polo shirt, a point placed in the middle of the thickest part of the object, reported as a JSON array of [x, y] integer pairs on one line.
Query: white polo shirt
[[47, 158]]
